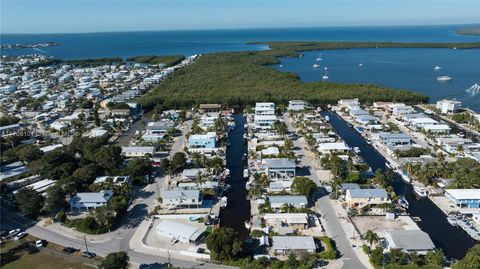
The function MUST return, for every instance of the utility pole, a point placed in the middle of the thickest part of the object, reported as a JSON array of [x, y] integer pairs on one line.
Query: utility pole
[[85, 239]]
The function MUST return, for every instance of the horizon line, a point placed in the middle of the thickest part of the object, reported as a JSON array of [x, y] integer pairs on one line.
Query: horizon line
[[242, 28]]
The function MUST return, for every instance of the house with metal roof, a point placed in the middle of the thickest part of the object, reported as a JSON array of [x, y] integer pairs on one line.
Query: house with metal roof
[[280, 167], [193, 173], [181, 198], [283, 245], [90, 200], [296, 220], [138, 151], [333, 147], [408, 241], [184, 233], [394, 139], [364, 197], [209, 108], [297, 201], [469, 198]]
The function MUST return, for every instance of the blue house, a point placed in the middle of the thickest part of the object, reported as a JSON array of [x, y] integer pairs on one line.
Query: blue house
[[207, 140], [469, 198]]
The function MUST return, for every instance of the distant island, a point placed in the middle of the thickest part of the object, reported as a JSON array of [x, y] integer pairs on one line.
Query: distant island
[[27, 46], [468, 31]]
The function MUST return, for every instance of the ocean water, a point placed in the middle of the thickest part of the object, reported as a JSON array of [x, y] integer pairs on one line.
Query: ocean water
[[411, 69], [400, 68]]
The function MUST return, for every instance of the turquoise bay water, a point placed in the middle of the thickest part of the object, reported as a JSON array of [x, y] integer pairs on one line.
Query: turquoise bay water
[[411, 69]]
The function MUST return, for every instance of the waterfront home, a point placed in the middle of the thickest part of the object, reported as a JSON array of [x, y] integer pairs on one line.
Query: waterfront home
[[123, 112], [399, 109], [152, 137], [159, 127], [184, 233], [198, 185], [296, 105], [264, 121], [115, 180], [358, 112], [394, 139], [367, 119], [349, 186], [407, 117], [469, 198], [209, 108], [96, 132], [270, 151], [194, 173], [349, 104], [363, 197], [265, 108], [132, 152], [297, 201], [382, 105], [437, 128], [298, 221], [90, 200], [451, 144], [408, 241], [181, 198], [336, 147], [283, 245], [279, 186], [281, 167], [421, 122], [446, 106], [202, 141]]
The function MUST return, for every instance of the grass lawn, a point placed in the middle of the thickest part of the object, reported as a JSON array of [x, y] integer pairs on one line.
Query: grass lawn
[[23, 254]]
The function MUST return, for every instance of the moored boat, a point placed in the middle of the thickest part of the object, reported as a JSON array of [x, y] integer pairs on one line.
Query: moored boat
[[223, 201], [421, 192], [444, 78]]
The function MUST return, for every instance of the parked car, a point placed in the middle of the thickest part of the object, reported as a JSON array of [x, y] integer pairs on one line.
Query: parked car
[[40, 243], [145, 266], [88, 254], [70, 250], [13, 232], [20, 235]]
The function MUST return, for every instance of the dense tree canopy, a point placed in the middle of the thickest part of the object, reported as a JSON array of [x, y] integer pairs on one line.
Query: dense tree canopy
[[471, 260], [115, 260], [304, 186], [29, 202], [224, 244]]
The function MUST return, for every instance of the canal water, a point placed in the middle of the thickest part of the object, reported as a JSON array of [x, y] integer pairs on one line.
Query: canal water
[[238, 207], [453, 240]]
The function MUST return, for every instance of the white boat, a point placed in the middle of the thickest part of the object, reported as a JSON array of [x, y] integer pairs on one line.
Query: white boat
[[280, 65], [388, 165], [452, 220], [223, 201], [437, 67], [319, 57], [403, 202], [428, 111], [316, 65], [421, 192], [245, 173], [327, 118], [444, 78], [360, 64], [357, 150], [325, 77], [248, 225]]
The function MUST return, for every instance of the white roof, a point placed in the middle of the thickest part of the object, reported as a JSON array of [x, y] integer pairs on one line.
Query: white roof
[[436, 127], [138, 149], [208, 135], [94, 197], [270, 151], [293, 243], [50, 148], [265, 117], [464, 194], [288, 217], [178, 229], [423, 120], [333, 146]]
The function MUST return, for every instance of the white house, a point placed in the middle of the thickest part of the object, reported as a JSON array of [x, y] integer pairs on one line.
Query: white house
[[408, 241], [437, 128], [187, 234], [297, 201], [448, 106], [116, 180], [283, 245], [296, 105], [333, 147], [280, 167], [296, 220], [90, 200], [363, 197], [264, 121], [265, 108], [137, 151], [181, 198]]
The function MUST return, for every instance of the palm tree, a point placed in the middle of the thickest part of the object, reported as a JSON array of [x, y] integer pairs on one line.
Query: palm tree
[[371, 237]]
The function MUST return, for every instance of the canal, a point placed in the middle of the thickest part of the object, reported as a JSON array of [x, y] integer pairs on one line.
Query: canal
[[453, 240], [238, 207]]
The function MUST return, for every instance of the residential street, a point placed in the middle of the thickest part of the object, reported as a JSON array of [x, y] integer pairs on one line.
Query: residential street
[[333, 226]]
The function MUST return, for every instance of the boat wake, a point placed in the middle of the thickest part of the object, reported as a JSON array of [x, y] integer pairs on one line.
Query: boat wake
[[474, 90], [42, 51]]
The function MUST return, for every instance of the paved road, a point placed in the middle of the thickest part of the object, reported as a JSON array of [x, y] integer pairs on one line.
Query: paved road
[[118, 239], [333, 227]]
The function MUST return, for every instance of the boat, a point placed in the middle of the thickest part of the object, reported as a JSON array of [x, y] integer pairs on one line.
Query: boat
[[319, 57], [403, 202], [388, 165], [428, 111], [300, 55], [452, 220], [474, 90], [244, 157], [245, 173], [223, 201], [325, 77], [360, 64], [444, 78], [248, 225], [357, 150], [280, 65], [437, 68], [316, 65], [421, 192], [327, 118]]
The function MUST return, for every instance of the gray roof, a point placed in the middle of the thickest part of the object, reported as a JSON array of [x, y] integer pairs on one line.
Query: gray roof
[[359, 112], [367, 117], [412, 240], [394, 136], [368, 193], [279, 163], [93, 197], [349, 186], [293, 243], [294, 200], [176, 194], [180, 229]]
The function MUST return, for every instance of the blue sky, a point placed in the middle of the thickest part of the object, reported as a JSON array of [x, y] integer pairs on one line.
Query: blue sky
[[69, 16]]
